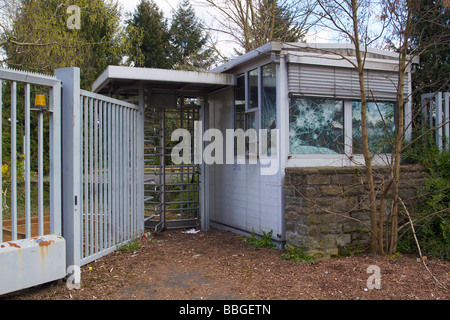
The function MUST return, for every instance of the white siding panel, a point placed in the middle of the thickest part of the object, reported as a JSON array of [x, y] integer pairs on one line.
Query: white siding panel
[[241, 197]]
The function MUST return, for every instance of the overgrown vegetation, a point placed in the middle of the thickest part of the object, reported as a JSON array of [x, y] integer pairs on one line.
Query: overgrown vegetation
[[130, 247], [296, 254], [432, 223], [263, 241]]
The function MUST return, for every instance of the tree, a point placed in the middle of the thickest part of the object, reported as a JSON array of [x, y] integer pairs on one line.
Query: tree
[[363, 24], [252, 23], [430, 37], [40, 41], [188, 40], [152, 50]]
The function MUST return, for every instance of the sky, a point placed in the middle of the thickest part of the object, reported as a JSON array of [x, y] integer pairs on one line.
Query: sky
[[205, 14]]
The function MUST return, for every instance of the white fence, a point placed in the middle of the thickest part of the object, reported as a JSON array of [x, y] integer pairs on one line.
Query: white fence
[[102, 171], [436, 114], [13, 78], [95, 201], [32, 250]]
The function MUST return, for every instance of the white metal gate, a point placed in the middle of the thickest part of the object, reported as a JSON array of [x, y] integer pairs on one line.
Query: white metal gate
[[34, 251], [102, 165]]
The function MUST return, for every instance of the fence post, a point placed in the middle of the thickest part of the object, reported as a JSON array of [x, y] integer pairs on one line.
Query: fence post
[[446, 100], [439, 122], [71, 163]]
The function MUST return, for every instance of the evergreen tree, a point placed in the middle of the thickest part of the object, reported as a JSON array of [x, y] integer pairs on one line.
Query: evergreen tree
[[431, 39], [40, 40], [188, 40], [152, 51]]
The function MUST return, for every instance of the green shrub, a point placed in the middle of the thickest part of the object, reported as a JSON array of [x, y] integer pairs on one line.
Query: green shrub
[[296, 254], [264, 241], [130, 247], [432, 222]]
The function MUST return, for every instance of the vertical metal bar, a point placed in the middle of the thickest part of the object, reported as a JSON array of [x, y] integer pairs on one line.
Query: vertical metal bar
[[1, 161], [27, 162], [41, 173], [96, 181], [115, 174], [110, 161], [13, 162], [100, 174], [126, 174], [86, 176], [55, 161], [118, 174], [121, 172], [439, 131], [91, 176], [163, 168], [104, 172], [446, 119], [133, 170]]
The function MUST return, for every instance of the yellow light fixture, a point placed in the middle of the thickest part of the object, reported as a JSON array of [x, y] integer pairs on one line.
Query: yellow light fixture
[[40, 101]]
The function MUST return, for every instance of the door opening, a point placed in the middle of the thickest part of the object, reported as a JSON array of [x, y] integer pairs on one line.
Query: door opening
[[171, 193]]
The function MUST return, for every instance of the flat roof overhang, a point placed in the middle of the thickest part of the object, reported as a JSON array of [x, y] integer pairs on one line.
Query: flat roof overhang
[[127, 81]]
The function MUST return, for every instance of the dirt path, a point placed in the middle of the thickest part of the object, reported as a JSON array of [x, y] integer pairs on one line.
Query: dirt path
[[218, 265]]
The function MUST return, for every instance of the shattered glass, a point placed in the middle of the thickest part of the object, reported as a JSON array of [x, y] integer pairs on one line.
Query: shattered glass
[[269, 104], [380, 126], [316, 126], [253, 89]]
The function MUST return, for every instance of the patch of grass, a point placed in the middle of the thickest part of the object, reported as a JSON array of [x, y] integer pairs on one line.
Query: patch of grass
[[130, 247], [264, 241], [296, 254]]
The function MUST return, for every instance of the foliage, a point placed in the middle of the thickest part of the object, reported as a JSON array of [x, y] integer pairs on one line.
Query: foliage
[[40, 41], [296, 254], [132, 246], [264, 241], [350, 251], [430, 39], [188, 39], [20, 195], [20, 126], [432, 223], [152, 50]]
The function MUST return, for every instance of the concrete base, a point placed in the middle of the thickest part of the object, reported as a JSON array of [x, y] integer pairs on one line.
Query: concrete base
[[30, 262]]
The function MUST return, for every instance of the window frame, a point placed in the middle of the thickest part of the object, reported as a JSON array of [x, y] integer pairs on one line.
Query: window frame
[[348, 129], [337, 154]]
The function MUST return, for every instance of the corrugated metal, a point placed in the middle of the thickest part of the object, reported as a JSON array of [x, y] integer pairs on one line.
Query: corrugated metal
[[339, 82]]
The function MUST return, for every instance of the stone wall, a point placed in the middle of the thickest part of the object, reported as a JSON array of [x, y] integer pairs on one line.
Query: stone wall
[[320, 200]]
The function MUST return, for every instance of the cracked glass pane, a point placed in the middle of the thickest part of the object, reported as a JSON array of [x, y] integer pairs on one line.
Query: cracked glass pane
[[269, 104], [316, 126], [239, 103], [253, 89], [380, 127]]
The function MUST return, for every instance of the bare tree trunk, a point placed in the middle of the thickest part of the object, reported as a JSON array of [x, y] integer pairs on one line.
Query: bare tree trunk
[[400, 128], [365, 140]]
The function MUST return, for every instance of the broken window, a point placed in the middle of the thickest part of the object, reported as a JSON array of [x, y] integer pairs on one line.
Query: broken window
[[269, 104], [316, 126], [380, 126]]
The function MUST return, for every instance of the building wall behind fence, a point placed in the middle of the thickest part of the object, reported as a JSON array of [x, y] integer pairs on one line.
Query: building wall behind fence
[[317, 199], [240, 197]]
